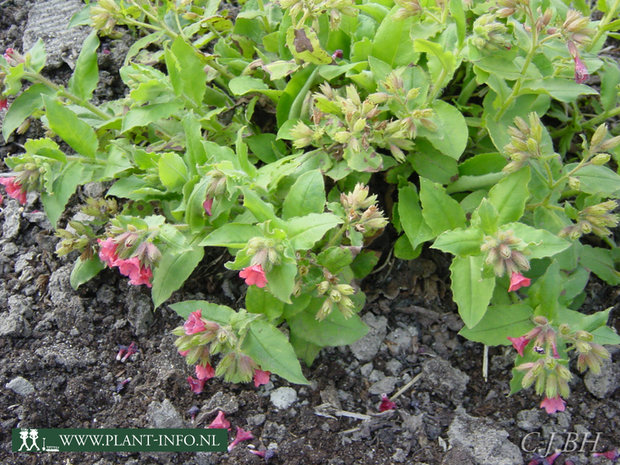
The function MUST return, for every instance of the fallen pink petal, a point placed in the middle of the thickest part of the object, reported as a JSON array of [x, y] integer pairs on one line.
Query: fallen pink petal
[[220, 421], [386, 403], [254, 275], [517, 281], [555, 404], [4, 104], [261, 377], [242, 435], [609, 455], [196, 385]]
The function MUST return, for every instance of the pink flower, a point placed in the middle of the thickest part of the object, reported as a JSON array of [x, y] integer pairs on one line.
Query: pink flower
[[555, 404], [220, 422], [4, 103], [8, 54], [581, 72], [194, 323], [386, 403], [183, 352], [196, 385], [261, 377], [205, 372], [208, 205], [337, 54], [137, 273], [540, 460], [519, 343], [242, 435], [107, 251], [610, 454], [254, 275], [517, 281], [14, 189]]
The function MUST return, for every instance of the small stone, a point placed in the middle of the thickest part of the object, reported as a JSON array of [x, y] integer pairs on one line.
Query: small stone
[[366, 369], [604, 384], [12, 215], [20, 305], [367, 347], [256, 420], [394, 367], [20, 386], [399, 341], [9, 249], [283, 397], [443, 379], [384, 386], [139, 310], [164, 415], [225, 402], [14, 326], [530, 420]]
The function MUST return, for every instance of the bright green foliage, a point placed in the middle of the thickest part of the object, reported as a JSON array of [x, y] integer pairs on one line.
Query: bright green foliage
[[261, 135]]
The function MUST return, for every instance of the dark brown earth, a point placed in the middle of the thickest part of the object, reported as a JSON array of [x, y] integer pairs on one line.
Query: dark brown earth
[[64, 343]]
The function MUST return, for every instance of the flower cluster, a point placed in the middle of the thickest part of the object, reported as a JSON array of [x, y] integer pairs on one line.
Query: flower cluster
[[503, 255], [200, 338], [135, 267], [525, 142]]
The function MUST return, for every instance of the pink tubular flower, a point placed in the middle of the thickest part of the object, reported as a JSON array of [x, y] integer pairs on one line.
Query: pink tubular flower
[[208, 205], [517, 281], [204, 372], [261, 377], [196, 385], [555, 404], [137, 273], [220, 422], [183, 353], [581, 72], [107, 251], [519, 343], [194, 323], [254, 275], [14, 189], [386, 403], [242, 435], [4, 104], [8, 53]]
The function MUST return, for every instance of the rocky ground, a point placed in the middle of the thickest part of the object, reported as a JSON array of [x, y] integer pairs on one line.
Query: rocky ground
[[59, 369]]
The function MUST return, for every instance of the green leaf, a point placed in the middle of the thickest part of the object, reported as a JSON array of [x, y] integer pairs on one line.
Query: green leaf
[[544, 295], [457, 11], [307, 195], [171, 272], [433, 164], [37, 56], [280, 69], [440, 211], [578, 320], [221, 314], [460, 242], [85, 270], [335, 330], [304, 231], [262, 210], [63, 188], [599, 262], [486, 217], [450, 136], [306, 351], [560, 89], [446, 58], [304, 45], [172, 170], [194, 209], [234, 235], [392, 42], [364, 263], [596, 179], [143, 116], [196, 153], [272, 351], [25, 105], [605, 336], [75, 132], [510, 195], [470, 290], [411, 218], [186, 71], [281, 280], [242, 85], [499, 323], [541, 243], [258, 300], [86, 74], [335, 259]]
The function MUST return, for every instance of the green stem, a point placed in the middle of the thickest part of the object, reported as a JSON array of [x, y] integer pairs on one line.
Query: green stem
[[81, 159], [602, 117], [437, 88], [338, 235], [604, 22], [528, 60], [261, 7], [34, 77]]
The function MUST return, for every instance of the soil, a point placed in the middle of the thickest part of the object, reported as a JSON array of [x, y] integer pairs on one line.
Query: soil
[[64, 343]]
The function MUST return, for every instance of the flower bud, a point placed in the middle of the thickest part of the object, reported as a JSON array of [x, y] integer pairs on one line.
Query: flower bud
[[600, 159], [540, 320], [598, 137], [322, 287], [574, 183], [505, 251], [378, 98], [551, 387], [325, 310], [610, 144]]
